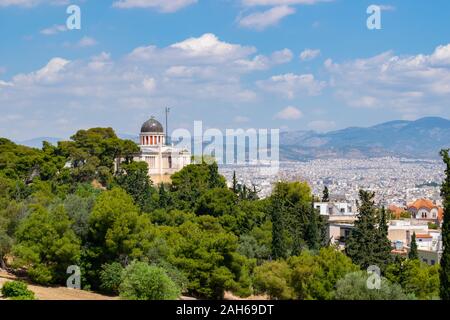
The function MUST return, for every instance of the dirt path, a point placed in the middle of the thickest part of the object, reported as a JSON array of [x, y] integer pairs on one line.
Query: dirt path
[[57, 293]]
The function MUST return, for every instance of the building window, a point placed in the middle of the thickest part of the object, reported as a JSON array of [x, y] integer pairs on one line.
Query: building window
[[342, 210], [170, 162], [151, 162]]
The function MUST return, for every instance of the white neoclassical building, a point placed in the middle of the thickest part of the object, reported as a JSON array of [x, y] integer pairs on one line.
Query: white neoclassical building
[[163, 160]]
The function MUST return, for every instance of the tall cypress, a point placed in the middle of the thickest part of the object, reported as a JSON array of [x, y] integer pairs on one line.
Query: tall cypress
[[312, 233], [445, 260], [234, 188], [413, 253], [278, 244], [326, 195], [384, 244], [362, 244]]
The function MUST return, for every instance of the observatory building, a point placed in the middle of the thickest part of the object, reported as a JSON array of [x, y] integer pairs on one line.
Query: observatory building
[[163, 159]]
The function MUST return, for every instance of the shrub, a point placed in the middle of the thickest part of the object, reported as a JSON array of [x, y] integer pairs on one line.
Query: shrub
[[111, 277], [354, 287], [17, 290], [144, 282]]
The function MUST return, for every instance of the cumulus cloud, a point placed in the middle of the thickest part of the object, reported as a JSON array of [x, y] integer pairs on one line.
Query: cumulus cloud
[[196, 71], [57, 28], [289, 113], [262, 20], [309, 54], [160, 5], [413, 85], [291, 85]]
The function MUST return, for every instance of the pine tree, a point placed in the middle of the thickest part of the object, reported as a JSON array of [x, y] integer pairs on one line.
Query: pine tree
[[278, 245], [445, 260], [413, 254], [362, 244], [326, 195]]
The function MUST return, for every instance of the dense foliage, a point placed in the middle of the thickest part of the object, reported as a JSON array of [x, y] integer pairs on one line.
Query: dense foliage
[[75, 204]]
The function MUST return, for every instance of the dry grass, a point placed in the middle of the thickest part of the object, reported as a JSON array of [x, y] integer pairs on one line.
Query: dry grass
[[56, 293]]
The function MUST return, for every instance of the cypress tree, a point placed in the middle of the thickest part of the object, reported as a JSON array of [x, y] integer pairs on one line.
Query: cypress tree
[[413, 253], [312, 233], [362, 244], [234, 188], [445, 260], [384, 244], [326, 195], [278, 245]]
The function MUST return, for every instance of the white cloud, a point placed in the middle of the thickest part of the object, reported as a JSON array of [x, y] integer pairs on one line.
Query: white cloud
[[251, 3], [86, 42], [31, 3], [54, 29], [309, 54], [262, 20], [387, 7], [203, 71], [203, 50], [289, 113], [412, 85], [161, 5], [291, 85]]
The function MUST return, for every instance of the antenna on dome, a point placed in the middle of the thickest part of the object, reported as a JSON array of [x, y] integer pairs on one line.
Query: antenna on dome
[[167, 125]]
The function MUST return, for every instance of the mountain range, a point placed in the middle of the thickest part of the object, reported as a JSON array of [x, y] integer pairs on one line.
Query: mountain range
[[420, 139]]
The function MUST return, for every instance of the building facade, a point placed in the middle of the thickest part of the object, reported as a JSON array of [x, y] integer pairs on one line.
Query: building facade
[[163, 160]]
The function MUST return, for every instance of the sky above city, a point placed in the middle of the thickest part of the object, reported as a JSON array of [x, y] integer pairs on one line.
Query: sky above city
[[287, 64]]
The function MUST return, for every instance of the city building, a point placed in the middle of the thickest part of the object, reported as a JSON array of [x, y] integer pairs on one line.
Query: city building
[[426, 210]]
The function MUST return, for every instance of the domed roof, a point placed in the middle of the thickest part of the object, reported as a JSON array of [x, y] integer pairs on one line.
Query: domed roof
[[152, 126]]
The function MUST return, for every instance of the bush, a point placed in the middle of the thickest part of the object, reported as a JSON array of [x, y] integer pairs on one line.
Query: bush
[[17, 290], [354, 287], [111, 277], [144, 282]]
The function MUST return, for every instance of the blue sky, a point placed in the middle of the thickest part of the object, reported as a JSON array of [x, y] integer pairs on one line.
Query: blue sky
[[289, 64]]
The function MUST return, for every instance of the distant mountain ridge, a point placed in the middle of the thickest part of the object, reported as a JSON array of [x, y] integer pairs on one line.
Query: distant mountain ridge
[[423, 138]]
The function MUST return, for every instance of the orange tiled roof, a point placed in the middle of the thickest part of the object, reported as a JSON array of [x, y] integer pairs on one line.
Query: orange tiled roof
[[422, 203], [423, 236], [396, 211]]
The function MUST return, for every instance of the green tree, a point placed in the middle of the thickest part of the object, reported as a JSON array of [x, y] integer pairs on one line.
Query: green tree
[[46, 245], [273, 278], [326, 195], [384, 244], [134, 179], [314, 276], [413, 253], [117, 232], [363, 245], [111, 277], [415, 277], [354, 287], [445, 260], [278, 241], [144, 282]]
